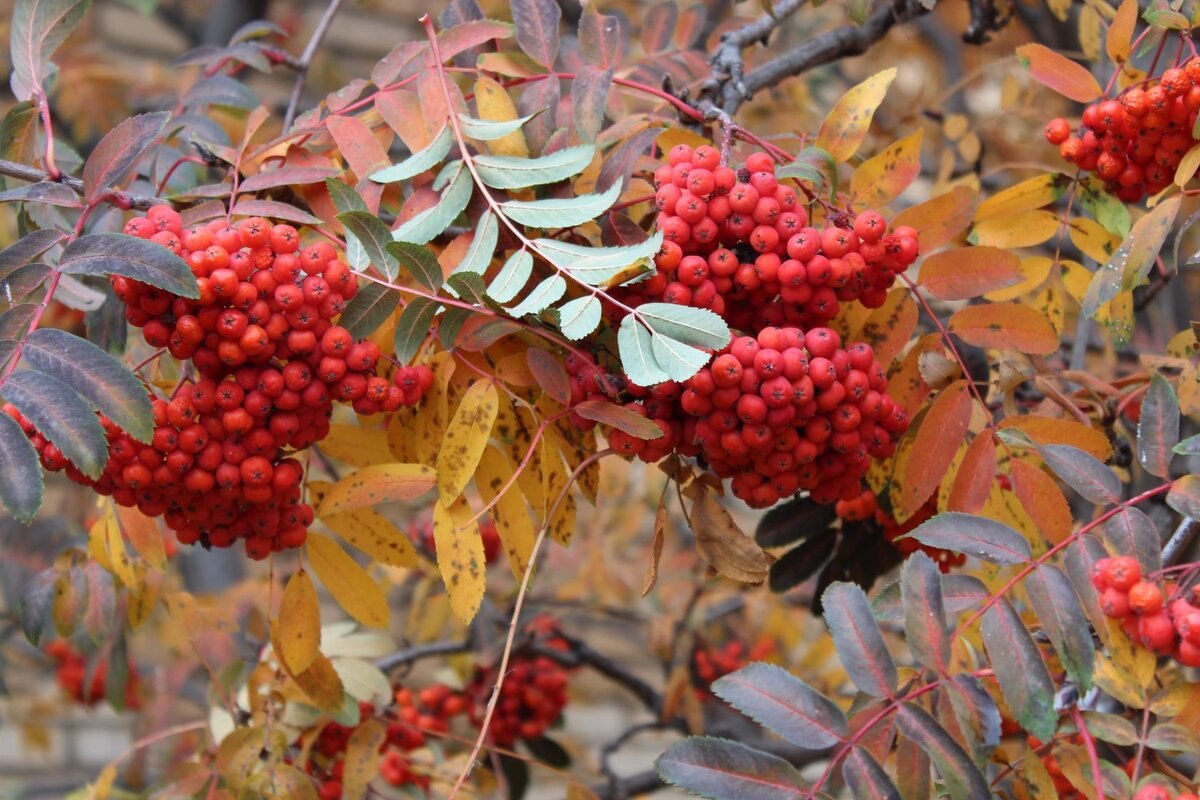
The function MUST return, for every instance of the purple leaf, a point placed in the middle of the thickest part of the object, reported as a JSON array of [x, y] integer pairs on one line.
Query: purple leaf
[[139, 259], [21, 489], [1158, 427], [1082, 555], [1131, 533], [119, 150], [1083, 472], [38, 28], [537, 29], [1024, 681], [621, 161], [976, 713], [273, 209], [62, 416], [983, 538], [959, 592], [589, 97], [866, 779], [1063, 620], [551, 376], [924, 612], [657, 26], [603, 39], [962, 778], [285, 176], [725, 770], [27, 248], [782, 703], [858, 639]]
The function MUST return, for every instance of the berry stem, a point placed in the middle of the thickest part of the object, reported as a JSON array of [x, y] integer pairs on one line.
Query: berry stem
[[43, 105], [1090, 745]]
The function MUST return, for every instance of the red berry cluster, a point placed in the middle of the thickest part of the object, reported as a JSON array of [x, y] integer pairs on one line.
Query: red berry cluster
[[1135, 141], [710, 662], [429, 710], [272, 363], [532, 698], [739, 243], [72, 676], [1167, 628]]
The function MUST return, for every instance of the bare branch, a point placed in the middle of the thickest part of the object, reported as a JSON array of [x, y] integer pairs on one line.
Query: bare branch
[[301, 66], [1179, 542], [727, 67], [22, 172], [417, 652]]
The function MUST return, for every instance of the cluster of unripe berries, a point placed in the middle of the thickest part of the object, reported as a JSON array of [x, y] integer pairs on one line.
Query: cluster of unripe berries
[[710, 662], [1135, 141], [272, 363], [739, 243], [776, 413], [866, 507], [1167, 628], [72, 676]]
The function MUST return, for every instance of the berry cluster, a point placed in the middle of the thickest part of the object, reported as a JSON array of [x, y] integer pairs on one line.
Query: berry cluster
[[272, 363], [739, 243], [1167, 628], [710, 662], [1136, 141], [866, 506], [778, 412], [72, 676], [532, 698], [1161, 793], [429, 710]]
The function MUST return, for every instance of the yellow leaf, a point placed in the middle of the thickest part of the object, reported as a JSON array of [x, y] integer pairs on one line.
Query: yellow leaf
[[560, 501], [145, 534], [466, 437], [381, 483], [321, 683], [881, 178], [1091, 238], [105, 538], [1120, 32], [434, 411], [375, 535], [673, 136], [1050, 430], [1061, 9], [1060, 73], [102, 788], [1090, 32], [724, 545], [1187, 166], [1025, 229], [238, 754], [942, 218], [460, 558], [513, 522], [846, 126], [356, 446], [660, 529], [1005, 326], [291, 783], [1027, 195], [351, 586], [143, 602], [299, 623], [494, 104], [515, 428], [362, 758]]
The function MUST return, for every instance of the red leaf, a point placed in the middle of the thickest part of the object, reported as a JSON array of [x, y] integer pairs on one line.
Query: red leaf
[[975, 475], [944, 428], [858, 640], [549, 374], [537, 29], [119, 150], [1005, 326]]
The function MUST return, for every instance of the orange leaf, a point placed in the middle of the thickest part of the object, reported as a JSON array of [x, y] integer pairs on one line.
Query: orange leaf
[[1042, 499], [969, 272], [1050, 430], [888, 327], [975, 475], [846, 126], [937, 441], [1060, 73], [941, 219], [1120, 32], [381, 483], [881, 178], [1005, 326]]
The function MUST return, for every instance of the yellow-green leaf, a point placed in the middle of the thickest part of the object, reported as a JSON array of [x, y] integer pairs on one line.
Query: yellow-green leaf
[[105, 537], [460, 558], [321, 684], [381, 483], [351, 586], [1187, 166], [846, 126], [1036, 192], [512, 519], [145, 535], [466, 437], [356, 446], [299, 623], [881, 178]]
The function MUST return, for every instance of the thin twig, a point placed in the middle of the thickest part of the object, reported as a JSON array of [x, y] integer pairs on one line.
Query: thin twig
[[301, 66], [419, 651], [22, 172]]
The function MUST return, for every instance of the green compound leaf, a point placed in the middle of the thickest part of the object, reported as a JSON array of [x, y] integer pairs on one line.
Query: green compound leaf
[[374, 237], [545, 294], [561, 212], [412, 327], [511, 172], [483, 245], [597, 266], [483, 130], [512, 277], [368, 309], [421, 264], [634, 344], [579, 317], [698, 327], [432, 221], [424, 159]]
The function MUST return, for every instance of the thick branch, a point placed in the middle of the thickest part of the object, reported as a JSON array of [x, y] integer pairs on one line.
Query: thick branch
[[22, 172], [1179, 541], [727, 67], [310, 51], [417, 652]]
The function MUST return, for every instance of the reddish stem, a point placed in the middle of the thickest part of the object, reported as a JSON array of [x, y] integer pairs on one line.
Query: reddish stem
[[1090, 745]]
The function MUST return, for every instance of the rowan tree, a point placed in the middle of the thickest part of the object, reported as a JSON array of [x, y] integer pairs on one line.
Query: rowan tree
[[464, 365]]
